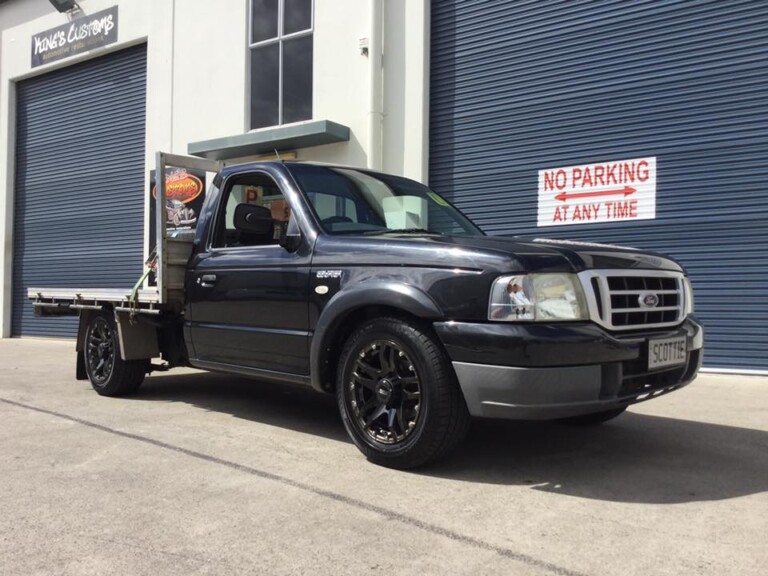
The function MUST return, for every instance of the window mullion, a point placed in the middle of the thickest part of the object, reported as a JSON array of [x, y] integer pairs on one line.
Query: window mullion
[[298, 34], [280, 87], [280, 19], [264, 43]]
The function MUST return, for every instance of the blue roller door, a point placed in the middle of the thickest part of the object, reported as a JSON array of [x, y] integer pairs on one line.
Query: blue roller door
[[517, 87], [79, 182]]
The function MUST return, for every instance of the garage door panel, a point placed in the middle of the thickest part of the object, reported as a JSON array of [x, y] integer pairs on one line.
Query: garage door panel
[[80, 172], [520, 87]]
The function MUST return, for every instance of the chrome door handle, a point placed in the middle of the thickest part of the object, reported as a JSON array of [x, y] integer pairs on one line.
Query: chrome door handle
[[207, 280]]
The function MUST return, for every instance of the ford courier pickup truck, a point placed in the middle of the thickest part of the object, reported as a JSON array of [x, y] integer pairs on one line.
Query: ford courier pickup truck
[[376, 289]]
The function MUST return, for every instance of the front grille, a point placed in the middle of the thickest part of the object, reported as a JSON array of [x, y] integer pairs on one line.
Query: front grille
[[635, 299], [638, 381]]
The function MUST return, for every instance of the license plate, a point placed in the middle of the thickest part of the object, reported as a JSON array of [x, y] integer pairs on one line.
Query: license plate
[[667, 352]]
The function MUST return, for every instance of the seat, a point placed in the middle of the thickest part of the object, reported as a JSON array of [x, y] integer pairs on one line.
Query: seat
[[243, 225]]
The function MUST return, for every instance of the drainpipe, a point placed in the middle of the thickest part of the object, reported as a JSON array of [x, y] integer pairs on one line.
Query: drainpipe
[[376, 61]]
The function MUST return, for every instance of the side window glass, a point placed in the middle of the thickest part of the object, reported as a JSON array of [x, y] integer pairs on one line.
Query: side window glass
[[253, 213]]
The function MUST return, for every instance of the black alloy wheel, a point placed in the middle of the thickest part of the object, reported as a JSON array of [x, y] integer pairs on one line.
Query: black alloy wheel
[[385, 392], [109, 374], [398, 395], [100, 351]]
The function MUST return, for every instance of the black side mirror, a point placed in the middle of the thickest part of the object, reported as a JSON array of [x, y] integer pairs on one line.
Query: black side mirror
[[254, 219]]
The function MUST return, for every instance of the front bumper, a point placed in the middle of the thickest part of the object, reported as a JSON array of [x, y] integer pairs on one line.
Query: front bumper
[[544, 372]]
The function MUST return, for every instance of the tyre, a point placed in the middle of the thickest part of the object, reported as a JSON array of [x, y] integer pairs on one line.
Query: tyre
[[398, 395], [109, 374], [596, 418]]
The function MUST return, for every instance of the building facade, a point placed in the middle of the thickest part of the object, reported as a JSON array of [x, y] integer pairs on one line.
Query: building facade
[[88, 97], [631, 123]]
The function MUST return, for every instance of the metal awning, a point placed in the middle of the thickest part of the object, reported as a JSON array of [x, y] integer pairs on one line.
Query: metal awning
[[287, 137]]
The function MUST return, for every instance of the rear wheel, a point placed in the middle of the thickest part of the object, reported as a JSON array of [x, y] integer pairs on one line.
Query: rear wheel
[[398, 395], [109, 374], [596, 418]]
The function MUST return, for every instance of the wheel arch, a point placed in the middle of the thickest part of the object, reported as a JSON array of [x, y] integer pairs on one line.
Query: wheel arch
[[349, 308]]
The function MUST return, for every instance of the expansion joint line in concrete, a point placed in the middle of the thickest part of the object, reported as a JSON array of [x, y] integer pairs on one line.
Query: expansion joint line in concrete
[[353, 502]]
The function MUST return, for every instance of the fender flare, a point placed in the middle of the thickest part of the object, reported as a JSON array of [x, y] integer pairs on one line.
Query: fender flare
[[389, 293]]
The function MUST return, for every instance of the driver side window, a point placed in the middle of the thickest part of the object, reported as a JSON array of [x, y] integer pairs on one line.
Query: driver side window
[[248, 205]]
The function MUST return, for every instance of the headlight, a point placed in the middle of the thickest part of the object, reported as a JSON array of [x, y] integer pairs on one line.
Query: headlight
[[688, 296], [537, 297]]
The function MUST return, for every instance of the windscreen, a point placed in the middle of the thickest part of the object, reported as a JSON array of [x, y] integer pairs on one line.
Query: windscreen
[[349, 201]]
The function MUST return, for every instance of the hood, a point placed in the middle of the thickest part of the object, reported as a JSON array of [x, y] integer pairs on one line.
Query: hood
[[483, 253], [589, 255]]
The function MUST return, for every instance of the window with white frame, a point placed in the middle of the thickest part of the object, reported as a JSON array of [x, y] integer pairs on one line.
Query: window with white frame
[[280, 40]]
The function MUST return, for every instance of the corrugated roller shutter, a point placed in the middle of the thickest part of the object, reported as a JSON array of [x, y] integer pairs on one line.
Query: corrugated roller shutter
[[520, 86], [79, 213]]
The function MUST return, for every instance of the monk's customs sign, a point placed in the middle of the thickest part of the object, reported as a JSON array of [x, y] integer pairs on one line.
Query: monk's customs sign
[[80, 35]]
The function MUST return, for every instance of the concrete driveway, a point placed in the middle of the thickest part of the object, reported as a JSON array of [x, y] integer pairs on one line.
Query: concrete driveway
[[209, 474]]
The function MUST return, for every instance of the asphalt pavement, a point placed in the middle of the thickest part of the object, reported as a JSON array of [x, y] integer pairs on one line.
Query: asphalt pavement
[[211, 474]]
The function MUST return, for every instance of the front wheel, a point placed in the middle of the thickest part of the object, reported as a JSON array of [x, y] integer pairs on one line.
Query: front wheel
[[398, 395], [109, 374]]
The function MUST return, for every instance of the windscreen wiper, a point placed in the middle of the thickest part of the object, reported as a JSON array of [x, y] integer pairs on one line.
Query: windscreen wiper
[[405, 231]]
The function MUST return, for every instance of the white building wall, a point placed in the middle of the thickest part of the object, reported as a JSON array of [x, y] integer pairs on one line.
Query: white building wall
[[197, 82], [210, 71], [406, 88], [341, 78]]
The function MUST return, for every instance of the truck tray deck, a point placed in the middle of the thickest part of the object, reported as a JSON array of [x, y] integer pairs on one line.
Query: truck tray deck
[[68, 301]]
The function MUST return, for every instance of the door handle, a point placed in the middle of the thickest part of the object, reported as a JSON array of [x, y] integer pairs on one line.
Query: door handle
[[207, 280]]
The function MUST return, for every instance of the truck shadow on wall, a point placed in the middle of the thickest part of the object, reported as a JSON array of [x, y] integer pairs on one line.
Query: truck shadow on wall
[[635, 459]]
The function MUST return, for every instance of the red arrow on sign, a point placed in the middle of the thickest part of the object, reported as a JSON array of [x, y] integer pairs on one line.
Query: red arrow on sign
[[626, 191]]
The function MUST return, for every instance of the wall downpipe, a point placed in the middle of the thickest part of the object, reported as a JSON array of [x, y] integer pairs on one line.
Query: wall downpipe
[[376, 64]]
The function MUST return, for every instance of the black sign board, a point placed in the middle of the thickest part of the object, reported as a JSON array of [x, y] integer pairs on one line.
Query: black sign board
[[80, 35], [184, 197]]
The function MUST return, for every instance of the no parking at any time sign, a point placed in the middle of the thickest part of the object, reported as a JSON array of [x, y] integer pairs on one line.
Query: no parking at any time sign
[[594, 193]]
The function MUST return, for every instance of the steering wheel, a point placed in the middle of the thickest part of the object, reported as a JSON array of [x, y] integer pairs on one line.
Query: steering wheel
[[335, 220]]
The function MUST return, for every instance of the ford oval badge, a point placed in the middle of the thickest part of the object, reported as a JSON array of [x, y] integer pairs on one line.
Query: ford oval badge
[[648, 300]]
